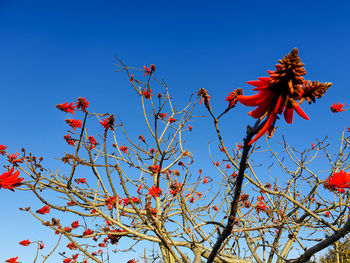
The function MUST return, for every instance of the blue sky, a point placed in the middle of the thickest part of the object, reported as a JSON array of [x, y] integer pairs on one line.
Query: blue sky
[[56, 51]]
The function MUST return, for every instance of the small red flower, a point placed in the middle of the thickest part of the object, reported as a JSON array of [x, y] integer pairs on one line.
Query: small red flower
[[75, 224], [2, 149], [92, 142], [337, 107], [74, 123], [150, 70], [25, 243], [154, 168], [191, 200], [68, 139], [142, 138], [204, 97], [151, 151], [131, 261], [154, 191], [71, 203], [162, 115], [44, 210], [108, 123], [42, 245], [190, 128], [124, 149], [205, 180], [239, 146], [232, 97], [172, 120], [338, 181], [327, 214], [13, 158], [228, 166], [82, 104], [67, 260], [88, 232], [80, 181], [66, 107], [136, 200], [12, 260], [217, 164], [139, 189], [147, 93], [9, 180], [72, 246], [215, 208]]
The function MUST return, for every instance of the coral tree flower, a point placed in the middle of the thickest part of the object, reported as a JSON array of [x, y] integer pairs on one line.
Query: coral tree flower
[[92, 142], [204, 97], [82, 104], [2, 149], [280, 92], [44, 210], [68, 139], [155, 191], [9, 180], [337, 107], [108, 123], [66, 107], [338, 181], [232, 97], [25, 243], [74, 123], [13, 158], [12, 260]]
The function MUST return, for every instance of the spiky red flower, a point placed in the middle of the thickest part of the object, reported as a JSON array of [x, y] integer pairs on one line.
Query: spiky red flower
[[44, 210], [154, 191], [337, 107], [80, 181], [10, 180], [88, 232], [142, 138], [162, 115], [108, 123], [82, 104], [13, 158], [66, 107], [124, 149], [338, 181], [172, 120], [12, 260], [147, 93], [190, 128], [72, 246], [135, 199], [68, 139], [279, 93], [232, 97], [25, 243], [75, 224], [204, 97], [2, 149], [150, 70], [74, 123], [154, 168], [92, 142]]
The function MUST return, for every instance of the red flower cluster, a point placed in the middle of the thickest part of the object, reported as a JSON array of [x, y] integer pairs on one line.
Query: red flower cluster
[[69, 139], [12, 260], [154, 168], [154, 191], [10, 180], [44, 210], [80, 181], [337, 107], [147, 93], [150, 70], [81, 103], [92, 142], [74, 123], [108, 123], [338, 181], [25, 243], [2, 149], [13, 158], [279, 93]]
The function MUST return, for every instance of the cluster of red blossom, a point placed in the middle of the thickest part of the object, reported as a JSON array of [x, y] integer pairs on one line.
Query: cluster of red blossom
[[10, 180]]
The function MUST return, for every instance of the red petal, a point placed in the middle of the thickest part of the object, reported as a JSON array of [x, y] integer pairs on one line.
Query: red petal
[[261, 110], [250, 100], [288, 115], [266, 126], [256, 83], [300, 111]]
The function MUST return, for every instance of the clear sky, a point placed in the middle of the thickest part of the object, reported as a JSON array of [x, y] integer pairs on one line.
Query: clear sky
[[56, 51]]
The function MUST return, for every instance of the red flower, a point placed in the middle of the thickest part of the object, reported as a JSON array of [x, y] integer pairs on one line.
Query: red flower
[[228, 166], [136, 200], [151, 151], [147, 93], [124, 201], [9, 180], [75, 224], [155, 191], [191, 200], [205, 180], [67, 260], [279, 92], [25, 243], [150, 70], [88, 232], [68, 139], [338, 181], [2, 149], [239, 146], [172, 120], [337, 107], [13, 158], [108, 123], [72, 246], [205, 98], [41, 246], [190, 128], [327, 214], [175, 188], [154, 168], [12, 260], [131, 261], [92, 142], [80, 181], [44, 210], [124, 149], [232, 97], [139, 189], [217, 164], [66, 107], [215, 208], [82, 104], [74, 123], [142, 138], [162, 115]]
